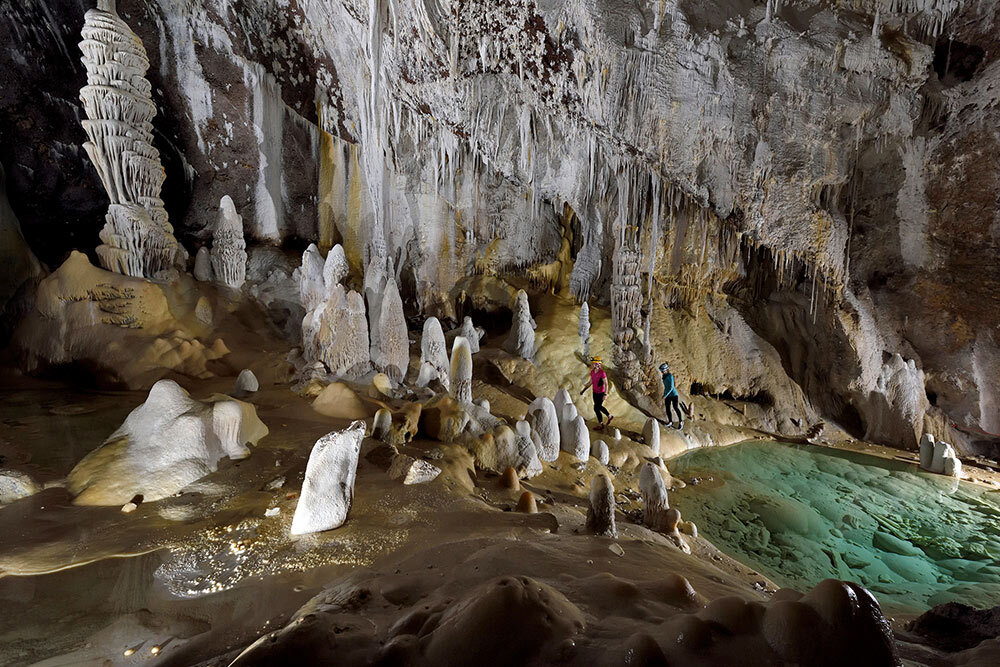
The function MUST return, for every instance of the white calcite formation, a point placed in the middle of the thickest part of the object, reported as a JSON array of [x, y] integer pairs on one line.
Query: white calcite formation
[[575, 438], [651, 435], [375, 281], [165, 444], [560, 400], [342, 336], [654, 498], [312, 285], [137, 237], [246, 382], [328, 487], [601, 507], [16, 484], [335, 266], [203, 264], [409, 470], [584, 330], [461, 371], [521, 340], [229, 250], [382, 424], [599, 450], [394, 345], [434, 352], [545, 424], [471, 333], [940, 457]]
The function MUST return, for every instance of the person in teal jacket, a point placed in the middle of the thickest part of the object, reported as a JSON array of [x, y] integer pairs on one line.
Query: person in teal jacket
[[671, 399]]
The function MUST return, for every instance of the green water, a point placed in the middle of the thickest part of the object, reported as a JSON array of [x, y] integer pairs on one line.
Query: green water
[[800, 514]]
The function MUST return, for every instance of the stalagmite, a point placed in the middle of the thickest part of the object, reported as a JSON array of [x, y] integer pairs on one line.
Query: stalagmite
[[651, 435], [521, 340], [433, 350], [229, 255], [461, 371], [545, 424], [938, 456], [328, 487], [203, 265], [470, 333], [560, 400], [381, 424], [575, 438], [374, 287], [599, 450], [601, 508], [137, 237], [335, 267], [394, 344], [654, 498], [312, 288], [584, 330], [342, 339]]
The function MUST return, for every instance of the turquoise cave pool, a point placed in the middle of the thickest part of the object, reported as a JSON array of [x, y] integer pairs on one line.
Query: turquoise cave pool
[[800, 514]]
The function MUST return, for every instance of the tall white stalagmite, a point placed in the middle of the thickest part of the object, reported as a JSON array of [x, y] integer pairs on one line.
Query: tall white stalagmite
[[433, 349], [229, 254], [461, 371], [542, 413], [335, 268], [469, 332], [137, 237], [312, 288], [375, 280], [584, 329], [521, 340], [342, 335], [394, 344]]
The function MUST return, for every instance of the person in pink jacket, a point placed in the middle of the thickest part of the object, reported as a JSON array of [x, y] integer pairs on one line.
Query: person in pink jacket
[[599, 381]]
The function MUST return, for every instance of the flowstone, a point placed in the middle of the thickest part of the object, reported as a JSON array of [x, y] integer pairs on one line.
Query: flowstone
[[165, 444], [137, 237], [328, 487]]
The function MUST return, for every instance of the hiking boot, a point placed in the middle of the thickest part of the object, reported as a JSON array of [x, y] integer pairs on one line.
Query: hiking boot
[[610, 419]]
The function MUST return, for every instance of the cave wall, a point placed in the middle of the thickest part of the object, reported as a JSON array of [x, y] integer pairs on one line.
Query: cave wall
[[816, 172]]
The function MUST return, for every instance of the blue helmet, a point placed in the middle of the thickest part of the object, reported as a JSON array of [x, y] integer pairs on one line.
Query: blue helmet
[[664, 367]]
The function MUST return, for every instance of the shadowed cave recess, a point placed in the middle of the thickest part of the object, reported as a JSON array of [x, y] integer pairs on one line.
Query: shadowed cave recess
[[300, 302]]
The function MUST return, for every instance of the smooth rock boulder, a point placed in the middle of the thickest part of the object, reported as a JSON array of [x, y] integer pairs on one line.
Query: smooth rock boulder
[[412, 471], [15, 484], [246, 382], [328, 487], [165, 444]]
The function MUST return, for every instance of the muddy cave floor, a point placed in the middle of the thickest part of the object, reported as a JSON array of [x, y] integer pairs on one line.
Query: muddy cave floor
[[204, 573]]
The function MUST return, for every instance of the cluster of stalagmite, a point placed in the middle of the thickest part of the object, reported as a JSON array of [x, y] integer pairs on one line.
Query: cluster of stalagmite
[[940, 457], [229, 249], [335, 327], [137, 237]]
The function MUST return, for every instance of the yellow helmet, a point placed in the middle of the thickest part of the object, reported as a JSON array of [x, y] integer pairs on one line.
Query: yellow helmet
[[595, 360]]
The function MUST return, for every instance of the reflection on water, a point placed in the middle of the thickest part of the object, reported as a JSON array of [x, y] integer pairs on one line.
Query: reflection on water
[[801, 514]]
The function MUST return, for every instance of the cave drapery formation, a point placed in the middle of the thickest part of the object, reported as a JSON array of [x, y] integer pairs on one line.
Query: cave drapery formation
[[774, 175]]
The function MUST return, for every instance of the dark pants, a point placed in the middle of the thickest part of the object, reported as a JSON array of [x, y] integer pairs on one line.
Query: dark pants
[[599, 408], [675, 403]]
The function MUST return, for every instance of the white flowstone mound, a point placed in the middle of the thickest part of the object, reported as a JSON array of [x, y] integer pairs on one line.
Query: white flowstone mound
[[471, 333], [434, 351], [542, 413], [246, 382], [461, 371], [328, 487], [394, 343], [584, 329], [412, 471], [651, 435], [575, 438], [521, 340], [137, 237], [165, 444], [15, 485], [203, 265], [654, 497], [599, 450], [335, 267], [229, 250], [601, 507], [939, 457]]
